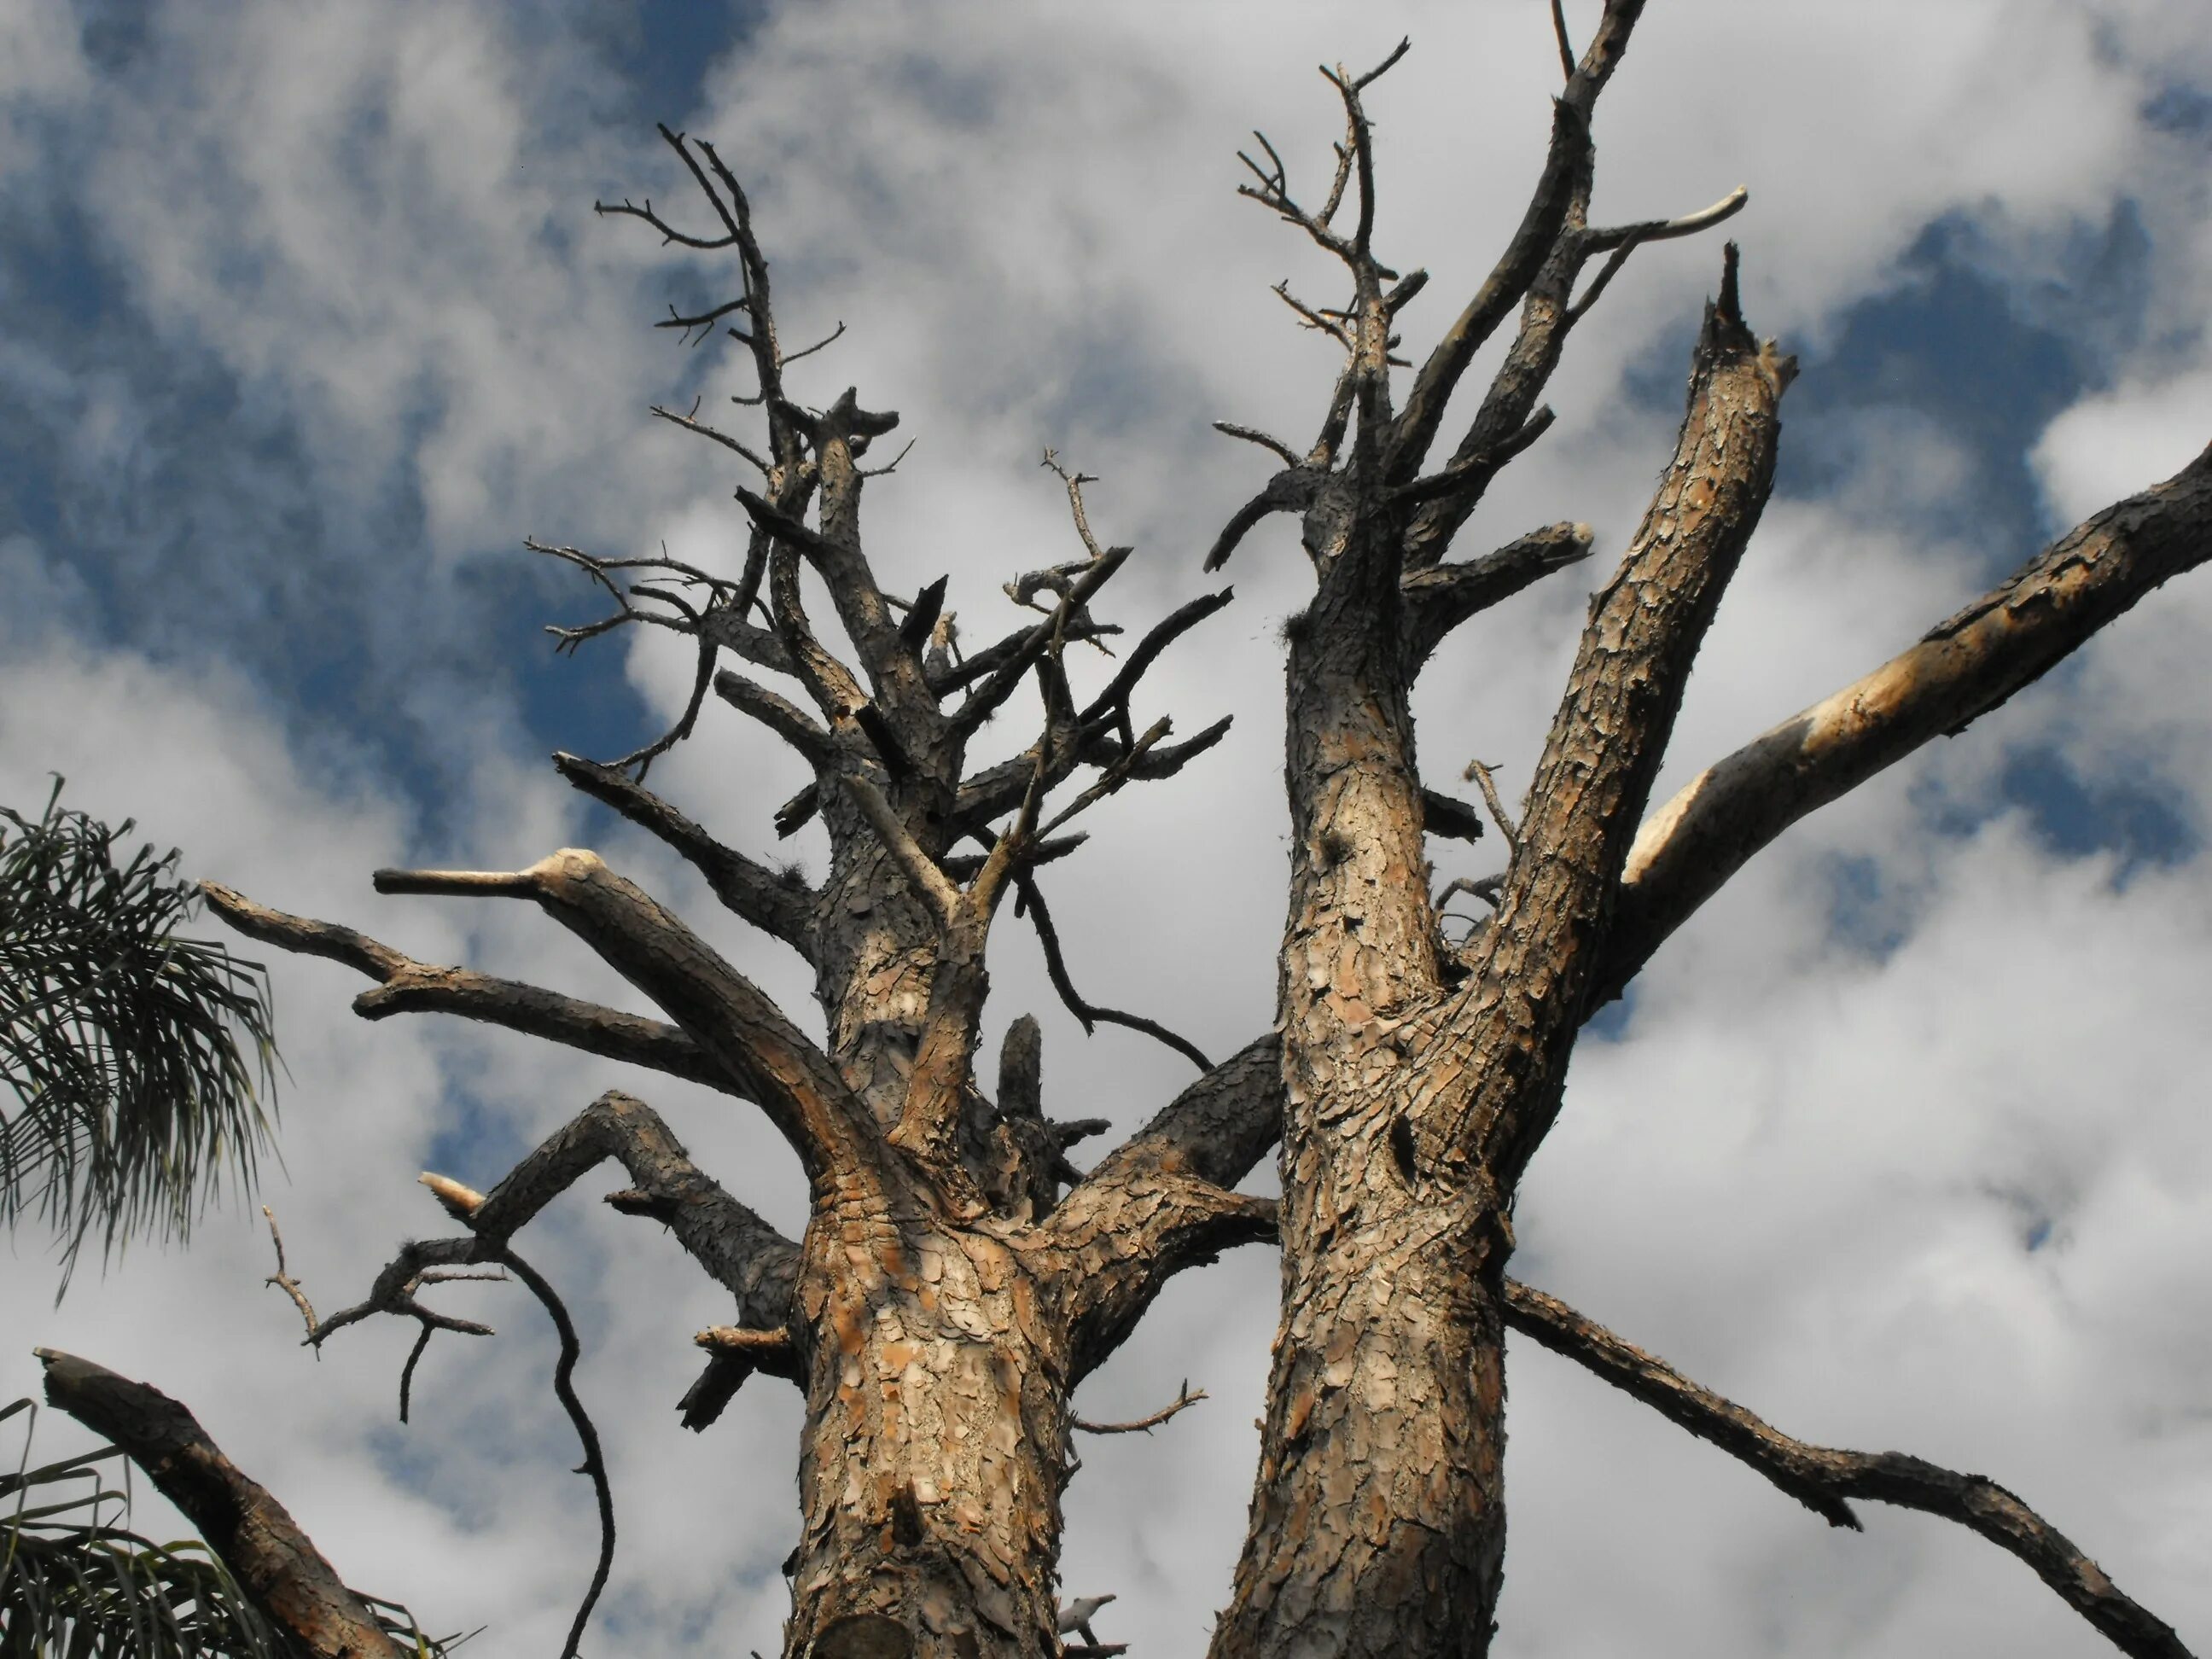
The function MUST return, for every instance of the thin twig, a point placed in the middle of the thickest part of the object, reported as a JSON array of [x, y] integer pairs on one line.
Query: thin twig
[[1183, 1402], [1478, 772], [283, 1280], [1559, 34], [1055, 967]]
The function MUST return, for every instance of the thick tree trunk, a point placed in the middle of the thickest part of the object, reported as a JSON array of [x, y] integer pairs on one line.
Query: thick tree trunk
[[936, 1442], [1378, 1526]]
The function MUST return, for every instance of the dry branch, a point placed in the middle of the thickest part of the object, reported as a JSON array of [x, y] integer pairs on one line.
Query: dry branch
[[1964, 667], [777, 1066], [406, 986], [1822, 1479], [282, 1574], [778, 907]]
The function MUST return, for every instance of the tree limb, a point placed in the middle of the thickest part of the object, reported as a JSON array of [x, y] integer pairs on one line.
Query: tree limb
[[1822, 1479], [774, 1062], [780, 908], [275, 1564], [406, 986], [1531, 244], [1440, 596], [742, 1252], [1607, 740], [1964, 667]]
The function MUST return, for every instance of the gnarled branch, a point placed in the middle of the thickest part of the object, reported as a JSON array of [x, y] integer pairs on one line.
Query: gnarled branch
[[1823, 1479]]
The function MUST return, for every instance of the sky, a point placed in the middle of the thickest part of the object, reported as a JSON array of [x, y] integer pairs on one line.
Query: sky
[[306, 322]]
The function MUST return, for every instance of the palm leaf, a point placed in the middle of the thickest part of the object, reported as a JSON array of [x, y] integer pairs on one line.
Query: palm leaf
[[138, 1060]]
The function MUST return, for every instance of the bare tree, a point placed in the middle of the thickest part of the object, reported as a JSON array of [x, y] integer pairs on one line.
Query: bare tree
[[958, 1276]]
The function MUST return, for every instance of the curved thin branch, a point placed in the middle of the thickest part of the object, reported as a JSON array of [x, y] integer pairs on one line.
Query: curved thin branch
[[594, 1463], [1089, 1013], [1823, 1479]]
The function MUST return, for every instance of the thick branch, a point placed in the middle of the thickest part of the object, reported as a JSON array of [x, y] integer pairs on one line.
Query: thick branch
[[1608, 737], [777, 907], [406, 986], [1966, 666], [1822, 1480], [275, 1563], [793, 1082]]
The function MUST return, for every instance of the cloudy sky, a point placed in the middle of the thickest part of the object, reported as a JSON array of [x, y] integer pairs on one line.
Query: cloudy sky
[[305, 322]]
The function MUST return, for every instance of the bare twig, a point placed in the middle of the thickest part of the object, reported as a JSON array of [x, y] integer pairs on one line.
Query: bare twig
[[1479, 772], [1183, 1402], [1253, 435], [1087, 1012], [283, 1280], [1559, 35], [594, 1464]]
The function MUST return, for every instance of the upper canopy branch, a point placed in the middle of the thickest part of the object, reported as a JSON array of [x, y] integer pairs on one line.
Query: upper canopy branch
[[1823, 1479], [1964, 667], [1611, 731], [1565, 161]]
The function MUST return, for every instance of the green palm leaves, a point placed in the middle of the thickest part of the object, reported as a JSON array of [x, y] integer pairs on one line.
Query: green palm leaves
[[138, 1061], [75, 1584]]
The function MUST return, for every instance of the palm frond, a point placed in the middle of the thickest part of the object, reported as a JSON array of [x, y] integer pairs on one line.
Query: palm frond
[[139, 1060], [76, 1582]]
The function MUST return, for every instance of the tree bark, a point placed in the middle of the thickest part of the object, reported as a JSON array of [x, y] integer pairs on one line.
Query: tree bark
[[936, 1442], [1378, 1521]]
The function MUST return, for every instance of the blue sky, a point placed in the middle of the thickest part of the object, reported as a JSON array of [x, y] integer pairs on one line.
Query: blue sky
[[305, 322]]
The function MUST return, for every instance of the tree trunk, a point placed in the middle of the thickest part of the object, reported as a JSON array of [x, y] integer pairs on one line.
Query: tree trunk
[[1378, 1524], [936, 1442]]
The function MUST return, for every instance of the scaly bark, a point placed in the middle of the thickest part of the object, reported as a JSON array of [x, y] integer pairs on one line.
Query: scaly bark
[[1378, 1519]]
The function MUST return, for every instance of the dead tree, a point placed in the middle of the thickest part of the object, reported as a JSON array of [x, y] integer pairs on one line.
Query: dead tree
[[957, 1276]]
